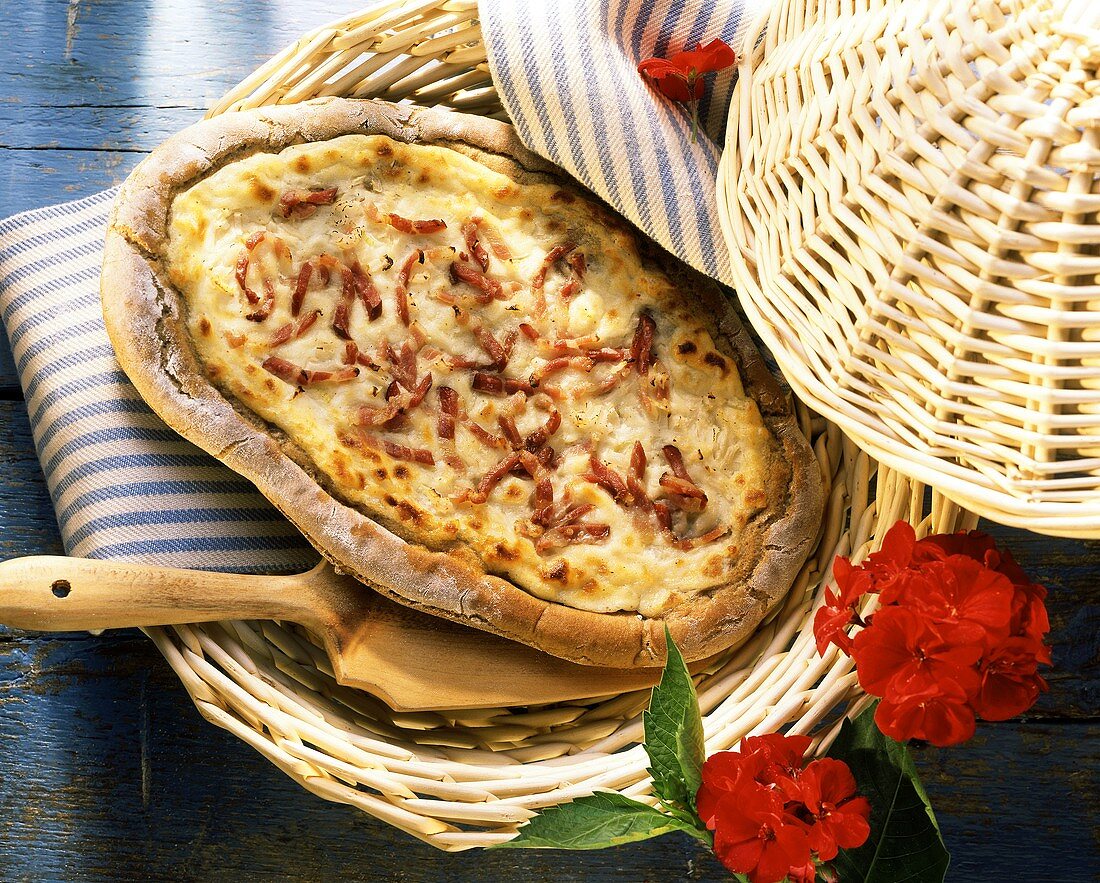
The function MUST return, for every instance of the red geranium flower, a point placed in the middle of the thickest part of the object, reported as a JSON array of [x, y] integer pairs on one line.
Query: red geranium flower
[[941, 715], [832, 620], [768, 809], [899, 653], [839, 816], [680, 76], [756, 837], [1010, 680]]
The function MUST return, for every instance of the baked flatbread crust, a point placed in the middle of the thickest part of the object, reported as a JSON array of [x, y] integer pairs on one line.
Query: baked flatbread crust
[[147, 318]]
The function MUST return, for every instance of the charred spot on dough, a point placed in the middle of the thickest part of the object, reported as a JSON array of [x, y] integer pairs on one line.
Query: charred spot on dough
[[503, 551], [400, 471], [717, 361], [514, 492], [563, 196], [526, 214], [381, 474], [384, 149], [215, 371], [302, 164], [204, 326], [424, 177], [408, 512], [260, 190], [390, 500], [756, 498], [249, 368], [685, 348], [269, 385], [507, 192], [559, 573]]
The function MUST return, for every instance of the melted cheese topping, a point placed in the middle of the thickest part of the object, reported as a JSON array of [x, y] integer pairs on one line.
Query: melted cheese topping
[[556, 386]]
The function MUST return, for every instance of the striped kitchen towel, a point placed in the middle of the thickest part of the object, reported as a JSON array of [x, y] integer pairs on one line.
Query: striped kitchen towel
[[123, 484], [567, 72]]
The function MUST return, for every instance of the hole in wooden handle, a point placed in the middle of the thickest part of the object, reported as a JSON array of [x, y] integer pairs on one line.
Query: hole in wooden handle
[[61, 588]]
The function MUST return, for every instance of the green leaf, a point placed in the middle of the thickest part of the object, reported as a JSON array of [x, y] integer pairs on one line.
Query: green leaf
[[674, 733], [905, 845], [601, 819]]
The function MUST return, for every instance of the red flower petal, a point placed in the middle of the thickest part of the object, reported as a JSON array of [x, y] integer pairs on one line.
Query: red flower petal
[[942, 718]]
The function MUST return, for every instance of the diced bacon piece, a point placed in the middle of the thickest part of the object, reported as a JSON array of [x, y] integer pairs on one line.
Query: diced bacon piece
[[546, 457], [420, 390], [448, 412], [577, 263], [561, 363], [492, 347], [298, 376], [303, 203], [494, 385], [326, 263], [679, 482], [581, 533], [236, 341], [474, 246], [401, 291], [366, 361], [366, 291], [402, 363], [559, 516], [494, 238], [351, 352], [543, 500], [299, 296], [412, 455], [265, 306], [641, 350], [571, 287], [490, 289], [485, 437], [607, 478], [635, 477], [368, 416], [539, 437], [508, 427], [664, 516], [394, 389], [340, 320], [529, 331], [688, 543], [433, 225], [610, 382], [552, 257], [455, 462], [242, 266], [294, 330], [493, 477]]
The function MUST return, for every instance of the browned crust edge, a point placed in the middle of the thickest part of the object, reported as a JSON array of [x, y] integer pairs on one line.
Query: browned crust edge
[[145, 321]]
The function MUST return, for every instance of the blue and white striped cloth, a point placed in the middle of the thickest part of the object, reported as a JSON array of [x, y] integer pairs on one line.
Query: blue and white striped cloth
[[126, 486], [567, 72], [123, 484]]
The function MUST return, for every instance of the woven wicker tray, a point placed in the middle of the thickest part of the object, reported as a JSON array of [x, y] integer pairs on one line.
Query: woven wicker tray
[[468, 778]]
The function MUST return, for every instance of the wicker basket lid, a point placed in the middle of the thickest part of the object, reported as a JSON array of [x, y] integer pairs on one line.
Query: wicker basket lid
[[915, 188]]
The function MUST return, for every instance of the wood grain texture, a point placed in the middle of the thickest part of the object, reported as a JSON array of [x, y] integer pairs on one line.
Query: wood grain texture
[[107, 772]]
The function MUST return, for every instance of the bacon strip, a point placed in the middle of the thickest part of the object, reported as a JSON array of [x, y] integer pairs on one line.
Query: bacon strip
[[539, 437], [402, 363], [474, 246], [401, 292], [299, 296], [494, 385], [490, 288], [603, 475], [680, 482], [366, 291], [636, 475], [561, 363], [265, 306], [485, 437], [584, 533], [407, 226], [412, 455], [368, 416], [242, 265], [294, 330], [552, 257], [688, 543], [340, 320], [420, 391], [641, 350], [529, 331], [448, 412], [303, 203], [511, 432], [298, 376], [493, 477], [493, 237]]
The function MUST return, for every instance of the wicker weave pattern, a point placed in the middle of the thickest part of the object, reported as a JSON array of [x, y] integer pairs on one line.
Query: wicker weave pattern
[[466, 779], [915, 186]]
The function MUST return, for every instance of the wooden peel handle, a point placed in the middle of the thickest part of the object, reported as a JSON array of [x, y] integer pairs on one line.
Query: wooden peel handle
[[55, 593]]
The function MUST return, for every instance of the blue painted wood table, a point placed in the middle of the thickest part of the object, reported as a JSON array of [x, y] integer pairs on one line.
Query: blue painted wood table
[[107, 771]]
